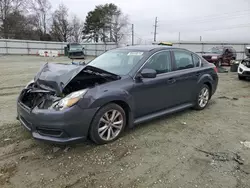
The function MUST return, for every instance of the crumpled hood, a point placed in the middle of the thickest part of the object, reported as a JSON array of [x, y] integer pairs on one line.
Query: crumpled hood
[[55, 77]]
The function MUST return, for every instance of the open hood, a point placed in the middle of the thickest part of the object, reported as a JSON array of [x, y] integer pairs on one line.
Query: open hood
[[55, 77]]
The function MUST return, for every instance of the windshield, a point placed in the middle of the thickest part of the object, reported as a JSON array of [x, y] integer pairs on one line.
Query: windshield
[[119, 62], [216, 50], [76, 47]]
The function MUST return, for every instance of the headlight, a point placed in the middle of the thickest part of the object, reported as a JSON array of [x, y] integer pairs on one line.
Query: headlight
[[30, 82], [70, 99], [214, 57]]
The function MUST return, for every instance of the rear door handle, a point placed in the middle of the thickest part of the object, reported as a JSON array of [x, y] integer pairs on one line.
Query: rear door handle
[[171, 80]]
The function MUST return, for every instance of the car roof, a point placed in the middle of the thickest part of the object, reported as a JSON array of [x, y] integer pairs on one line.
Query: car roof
[[146, 47]]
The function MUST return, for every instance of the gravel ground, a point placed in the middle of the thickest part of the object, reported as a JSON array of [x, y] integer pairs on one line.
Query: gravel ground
[[187, 149]]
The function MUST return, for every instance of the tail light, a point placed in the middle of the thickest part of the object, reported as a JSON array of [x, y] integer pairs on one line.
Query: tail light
[[216, 69]]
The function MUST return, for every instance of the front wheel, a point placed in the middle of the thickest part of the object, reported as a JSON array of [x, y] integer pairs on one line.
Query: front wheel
[[202, 98], [108, 124], [240, 77]]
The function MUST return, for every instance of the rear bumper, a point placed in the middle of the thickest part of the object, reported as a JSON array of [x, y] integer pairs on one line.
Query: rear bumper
[[61, 127]]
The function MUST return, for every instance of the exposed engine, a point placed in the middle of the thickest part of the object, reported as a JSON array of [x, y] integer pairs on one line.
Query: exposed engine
[[246, 62], [39, 96], [33, 96]]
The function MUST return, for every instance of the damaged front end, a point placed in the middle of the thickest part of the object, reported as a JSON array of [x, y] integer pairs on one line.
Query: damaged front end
[[58, 86], [246, 62], [33, 97]]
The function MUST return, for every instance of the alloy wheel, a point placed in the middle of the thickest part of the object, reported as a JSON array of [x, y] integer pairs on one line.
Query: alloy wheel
[[110, 125], [203, 97]]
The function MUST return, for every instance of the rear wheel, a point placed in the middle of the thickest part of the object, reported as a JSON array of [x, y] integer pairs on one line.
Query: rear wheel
[[108, 124], [202, 98]]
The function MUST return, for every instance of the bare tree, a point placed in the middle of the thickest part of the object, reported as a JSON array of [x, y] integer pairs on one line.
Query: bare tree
[[77, 27], [61, 28], [41, 9], [119, 27], [6, 8]]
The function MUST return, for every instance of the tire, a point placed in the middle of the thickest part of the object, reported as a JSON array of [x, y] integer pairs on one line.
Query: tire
[[198, 104], [241, 77], [102, 130]]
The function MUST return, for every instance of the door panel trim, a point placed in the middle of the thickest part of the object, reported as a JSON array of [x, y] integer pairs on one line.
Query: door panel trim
[[162, 112]]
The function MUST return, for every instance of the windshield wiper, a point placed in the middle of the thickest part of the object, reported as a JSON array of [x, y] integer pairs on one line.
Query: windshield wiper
[[102, 72]]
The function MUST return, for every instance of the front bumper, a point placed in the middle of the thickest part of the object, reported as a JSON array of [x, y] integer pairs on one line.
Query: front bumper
[[243, 71], [61, 127]]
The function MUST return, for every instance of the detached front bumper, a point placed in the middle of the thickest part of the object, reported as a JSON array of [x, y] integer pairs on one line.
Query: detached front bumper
[[61, 127], [243, 71]]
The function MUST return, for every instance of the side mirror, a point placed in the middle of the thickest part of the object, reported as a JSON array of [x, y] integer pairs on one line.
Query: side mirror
[[148, 73]]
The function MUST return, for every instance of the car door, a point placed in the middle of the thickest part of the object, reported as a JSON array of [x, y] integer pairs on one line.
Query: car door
[[186, 74], [154, 94]]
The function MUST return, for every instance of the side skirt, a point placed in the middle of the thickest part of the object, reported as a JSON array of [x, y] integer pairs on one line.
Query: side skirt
[[163, 112]]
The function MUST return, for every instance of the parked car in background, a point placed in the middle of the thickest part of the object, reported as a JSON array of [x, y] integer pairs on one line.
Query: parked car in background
[[120, 88], [220, 55], [75, 51], [244, 66]]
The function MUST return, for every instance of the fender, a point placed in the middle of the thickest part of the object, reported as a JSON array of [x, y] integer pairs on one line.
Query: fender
[[117, 95], [107, 96], [205, 78], [97, 97]]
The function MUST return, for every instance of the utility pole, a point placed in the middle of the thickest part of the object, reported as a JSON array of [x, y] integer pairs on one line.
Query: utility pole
[[155, 25], [132, 34]]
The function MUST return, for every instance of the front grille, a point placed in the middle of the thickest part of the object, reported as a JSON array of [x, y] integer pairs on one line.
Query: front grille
[[49, 132], [246, 73], [76, 53]]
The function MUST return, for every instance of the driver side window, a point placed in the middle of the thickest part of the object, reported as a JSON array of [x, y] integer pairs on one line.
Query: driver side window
[[160, 62]]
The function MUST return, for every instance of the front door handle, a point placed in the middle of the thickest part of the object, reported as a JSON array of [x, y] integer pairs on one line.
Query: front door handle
[[171, 80]]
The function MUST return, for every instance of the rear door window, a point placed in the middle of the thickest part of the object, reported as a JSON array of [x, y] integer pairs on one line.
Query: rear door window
[[183, 60], [196, 60]]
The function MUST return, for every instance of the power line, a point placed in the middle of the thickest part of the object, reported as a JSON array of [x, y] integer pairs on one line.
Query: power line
[[228, 15], [211, 16], [156, 21], [232, 27], [183, 23]]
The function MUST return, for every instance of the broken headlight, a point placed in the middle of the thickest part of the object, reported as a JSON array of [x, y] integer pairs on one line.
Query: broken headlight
[[70, 99]]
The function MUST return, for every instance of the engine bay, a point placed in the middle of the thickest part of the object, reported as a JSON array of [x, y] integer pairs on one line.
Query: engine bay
[[36, 95], [246, 62]]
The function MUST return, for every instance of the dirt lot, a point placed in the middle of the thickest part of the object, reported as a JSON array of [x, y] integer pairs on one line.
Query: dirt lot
[[188, 149]]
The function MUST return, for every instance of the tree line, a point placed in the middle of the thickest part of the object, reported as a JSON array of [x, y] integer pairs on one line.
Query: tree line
[[34, 20]]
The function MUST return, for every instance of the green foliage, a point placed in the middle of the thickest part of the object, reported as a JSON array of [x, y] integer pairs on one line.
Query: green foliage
[[100, 21]]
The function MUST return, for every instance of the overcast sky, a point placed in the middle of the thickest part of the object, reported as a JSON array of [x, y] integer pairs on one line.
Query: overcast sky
[[214, 20]]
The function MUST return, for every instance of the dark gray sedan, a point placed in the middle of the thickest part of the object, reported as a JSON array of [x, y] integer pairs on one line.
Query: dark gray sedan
[[118, 89]]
